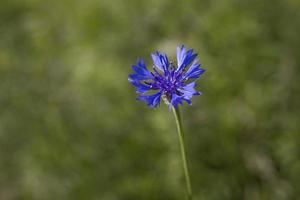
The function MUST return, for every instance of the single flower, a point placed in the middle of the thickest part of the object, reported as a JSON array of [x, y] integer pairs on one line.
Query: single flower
[[172, 84]]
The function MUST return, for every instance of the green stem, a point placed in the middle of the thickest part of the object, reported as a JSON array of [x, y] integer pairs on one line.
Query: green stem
[[183, 152]]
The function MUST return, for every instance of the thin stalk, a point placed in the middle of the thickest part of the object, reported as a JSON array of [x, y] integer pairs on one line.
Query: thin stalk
[[183, 152]]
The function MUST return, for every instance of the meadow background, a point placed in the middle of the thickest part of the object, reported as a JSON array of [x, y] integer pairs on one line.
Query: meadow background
[[70, 127]]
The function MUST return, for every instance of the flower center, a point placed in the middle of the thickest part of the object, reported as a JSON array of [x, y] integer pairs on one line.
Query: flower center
[[171, 83], [168, 82]]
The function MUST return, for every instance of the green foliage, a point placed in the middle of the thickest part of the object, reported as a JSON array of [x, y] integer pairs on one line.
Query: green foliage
[[70, 127]]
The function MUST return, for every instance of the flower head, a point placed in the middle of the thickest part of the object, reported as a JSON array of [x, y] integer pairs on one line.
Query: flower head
[[172, 84]]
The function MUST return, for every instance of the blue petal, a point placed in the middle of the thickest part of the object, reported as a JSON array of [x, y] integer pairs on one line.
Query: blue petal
[[161, 61], [140, 88], [194, 71], [139, 77], [189, 90], [142, 64], [184, 58], [176, 100], [141, 70], [187, 93], [181, 51], [151, 100]]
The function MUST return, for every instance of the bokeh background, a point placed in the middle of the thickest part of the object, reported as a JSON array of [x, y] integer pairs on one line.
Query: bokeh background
[[70, 127]]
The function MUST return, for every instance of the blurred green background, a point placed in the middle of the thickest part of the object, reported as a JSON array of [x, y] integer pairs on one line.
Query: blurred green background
[[70, 127]]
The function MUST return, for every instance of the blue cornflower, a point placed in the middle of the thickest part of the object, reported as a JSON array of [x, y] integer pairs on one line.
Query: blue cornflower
[[172, 84]]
